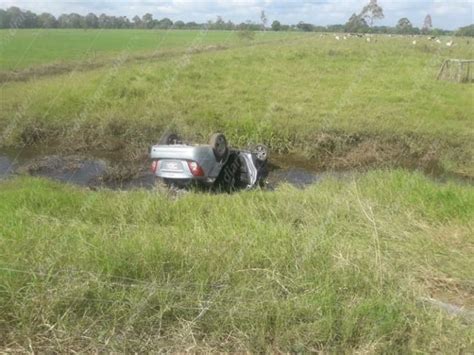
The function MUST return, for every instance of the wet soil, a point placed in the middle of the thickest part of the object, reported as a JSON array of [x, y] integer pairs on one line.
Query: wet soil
[[110, 170]]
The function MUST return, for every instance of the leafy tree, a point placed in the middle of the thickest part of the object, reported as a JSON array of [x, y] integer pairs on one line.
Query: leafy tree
[[372, 12], [147, 20], [15, 17], [335, 28], [264, 20], [356, 24], [30, 20], [164, 23], [427, 25], [219, 24], [467, 31], [92, 21], [104, 21], [305, 27], [4, 19], [192, 25], [404, 26], [276, 26], [63, 21], [122, 22], [179, 25], [137, 21], [47, 20]]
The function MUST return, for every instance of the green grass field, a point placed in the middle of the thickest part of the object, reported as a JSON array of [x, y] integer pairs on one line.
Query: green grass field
[[342, 266], [285, 94], [23, 48]]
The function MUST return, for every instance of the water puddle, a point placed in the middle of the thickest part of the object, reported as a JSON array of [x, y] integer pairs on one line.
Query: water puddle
[[6, 166], [105, 170]]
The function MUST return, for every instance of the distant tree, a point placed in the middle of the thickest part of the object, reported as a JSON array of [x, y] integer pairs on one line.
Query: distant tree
[[305, 27], [147, 20], [336, 28], [30, 20], [263, 20], [164, 23], [179, 25], [320, 29], [4, 19], [122, 22], [137, 22], [192, 25], [428, 24], [356, 24], [404, 26], [16, 18], [219, 24], [75, 20], [46, 20], [63, 21], [229, 26], [372, 12], [467, 31], [276, 25], [104, 21], [92, 21]]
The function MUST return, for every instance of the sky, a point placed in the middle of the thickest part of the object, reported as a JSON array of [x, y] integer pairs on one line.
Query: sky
[[447, 14]]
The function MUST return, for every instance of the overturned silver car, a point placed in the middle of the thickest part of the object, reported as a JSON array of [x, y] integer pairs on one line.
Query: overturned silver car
[[215, 165]]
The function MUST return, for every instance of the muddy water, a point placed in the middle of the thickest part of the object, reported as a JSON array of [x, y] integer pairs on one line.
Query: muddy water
[[106, 170]]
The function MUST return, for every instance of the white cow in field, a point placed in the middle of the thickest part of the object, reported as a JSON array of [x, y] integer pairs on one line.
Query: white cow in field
[[438, 41], [368, 40], [450, 43], [345, 38], [337, 38], [414, 42]]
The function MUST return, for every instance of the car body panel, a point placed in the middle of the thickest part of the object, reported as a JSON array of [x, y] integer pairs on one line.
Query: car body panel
[[181, 155], [240, 168]]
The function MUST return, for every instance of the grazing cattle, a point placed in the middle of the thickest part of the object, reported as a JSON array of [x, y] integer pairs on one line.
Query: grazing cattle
[[368, 40], [450, 43], [337, 38], [414, 42], [438, 41]]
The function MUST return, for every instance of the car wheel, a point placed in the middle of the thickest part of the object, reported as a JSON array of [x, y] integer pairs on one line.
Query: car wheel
[[169, 139], [218, 142], [261, 152]]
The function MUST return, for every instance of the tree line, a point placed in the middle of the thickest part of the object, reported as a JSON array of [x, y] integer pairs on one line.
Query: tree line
[[362, 22]]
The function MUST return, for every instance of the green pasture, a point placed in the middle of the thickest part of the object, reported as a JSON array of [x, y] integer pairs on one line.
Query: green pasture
[[341, 267]]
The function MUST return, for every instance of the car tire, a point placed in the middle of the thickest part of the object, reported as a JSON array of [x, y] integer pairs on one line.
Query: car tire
[[169, 139], [261, 152], [218, 142]]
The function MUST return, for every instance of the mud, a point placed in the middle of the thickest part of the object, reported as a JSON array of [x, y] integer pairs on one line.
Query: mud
[[106, 170], [110, 170]]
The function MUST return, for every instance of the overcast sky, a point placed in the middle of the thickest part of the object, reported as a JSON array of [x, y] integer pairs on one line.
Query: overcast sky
[[448, 14]]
